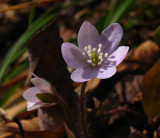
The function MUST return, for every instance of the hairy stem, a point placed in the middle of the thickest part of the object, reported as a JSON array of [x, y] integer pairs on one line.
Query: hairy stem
[[82, 110], [69, 114]]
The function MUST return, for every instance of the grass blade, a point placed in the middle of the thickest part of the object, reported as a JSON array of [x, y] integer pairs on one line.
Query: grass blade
[[118, 10]]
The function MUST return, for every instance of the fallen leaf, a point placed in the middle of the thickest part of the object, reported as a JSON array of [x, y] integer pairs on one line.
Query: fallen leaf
[[129, 87], [65, 33], [136, 133], [6, 86], [151, 91], [31, 130], [26, 5], [140, 59], [68, 132], [91, 85], [16, 103]]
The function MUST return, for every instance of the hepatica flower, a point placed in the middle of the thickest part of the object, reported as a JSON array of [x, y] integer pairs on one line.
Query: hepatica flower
[[97, 55], [40, 95]]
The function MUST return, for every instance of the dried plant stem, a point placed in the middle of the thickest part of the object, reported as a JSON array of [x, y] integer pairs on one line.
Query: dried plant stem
[[82, 111]]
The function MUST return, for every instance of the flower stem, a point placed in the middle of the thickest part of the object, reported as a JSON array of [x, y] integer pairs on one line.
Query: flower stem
[[68, 112], [82, 110]]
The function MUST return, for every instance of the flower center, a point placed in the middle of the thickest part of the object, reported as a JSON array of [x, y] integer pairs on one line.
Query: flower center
[[94, 56]]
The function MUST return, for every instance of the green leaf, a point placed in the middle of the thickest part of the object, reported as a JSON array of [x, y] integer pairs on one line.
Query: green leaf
[[15, 72], [118, 10], [151, 91], [47, 97], [10, 93]]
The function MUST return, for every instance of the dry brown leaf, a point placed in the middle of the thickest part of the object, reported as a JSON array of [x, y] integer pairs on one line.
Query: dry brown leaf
[[12, 129], [28, 125], [140, 59], [6, 86], [65, 33], [26, 5], [128, 88], [91, 85], [68, 132], [16, 103], [31, 130], [137, 98], [16, 108], [151, 91], [136, 133]]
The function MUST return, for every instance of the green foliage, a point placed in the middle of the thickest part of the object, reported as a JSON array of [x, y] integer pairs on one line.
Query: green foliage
[[118, 10], [10, 92], [47, 97], [15, 72]]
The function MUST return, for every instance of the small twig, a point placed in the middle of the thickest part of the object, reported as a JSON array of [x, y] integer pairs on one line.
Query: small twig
[[82, 110]]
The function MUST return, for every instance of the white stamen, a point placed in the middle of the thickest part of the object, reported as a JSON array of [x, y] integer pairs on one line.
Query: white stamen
[[101, 60], [89, 61], [100, 46], [100, 57], [89, 55], [89, 47], [101, 54], [85, 49], [94, 49], [84, 54], [99, 50], [99, 63], [89, 52], [106, 55]]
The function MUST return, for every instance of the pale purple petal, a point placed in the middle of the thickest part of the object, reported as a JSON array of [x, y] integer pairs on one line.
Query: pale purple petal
[[82, 74], [104, 72], [73, 55], [88, 35], [33, 106], [30, 94], [117, 56], [110, 38], [41, 83]]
